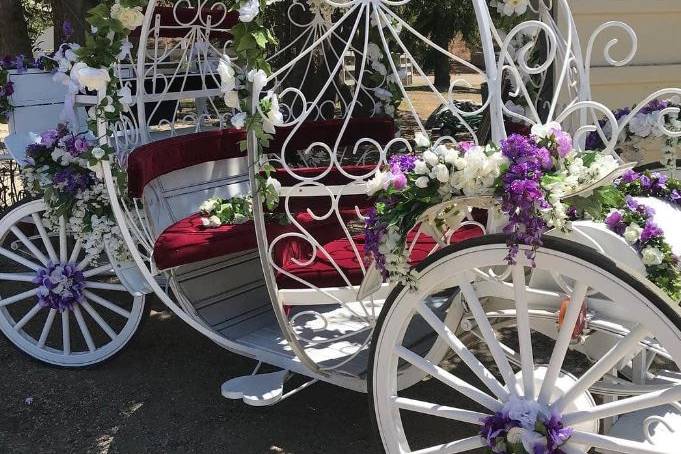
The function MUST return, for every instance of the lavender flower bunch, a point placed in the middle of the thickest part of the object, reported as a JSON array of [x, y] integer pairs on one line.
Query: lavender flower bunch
[[61, 286], [523, 427]]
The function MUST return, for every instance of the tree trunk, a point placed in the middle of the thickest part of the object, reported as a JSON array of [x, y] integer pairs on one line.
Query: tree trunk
[[14, 38], [442, 65], [74, 11]]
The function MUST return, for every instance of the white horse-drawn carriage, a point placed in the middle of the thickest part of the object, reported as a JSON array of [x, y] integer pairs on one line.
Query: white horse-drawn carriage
[[571, 336]]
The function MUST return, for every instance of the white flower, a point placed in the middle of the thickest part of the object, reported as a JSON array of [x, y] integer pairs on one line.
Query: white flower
[[227, 75], [249, 10], [212, 221], [514, 435], [383, 94], [258, 79], [420, 167], [441, 173], [232, 99], [641, 126], [421, 140], [430, 158], [91, 78], [422, 182], [274, 116], [208, 206], [131, 18], [276, 184], [126, 50], [652, 256], [239, 120], [523, 411], [98, 153], [545, 131], [632, 233], [377, 183], [125, 95], [512, 7]]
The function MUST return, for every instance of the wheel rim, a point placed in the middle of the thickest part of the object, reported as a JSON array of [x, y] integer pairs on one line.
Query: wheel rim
[[84, 334], [487, 388]]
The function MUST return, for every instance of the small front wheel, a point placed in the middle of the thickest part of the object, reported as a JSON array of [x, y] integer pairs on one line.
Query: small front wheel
[[568, 363], [58, 305]]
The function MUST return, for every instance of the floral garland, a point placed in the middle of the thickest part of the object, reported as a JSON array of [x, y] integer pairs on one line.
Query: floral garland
[[528, 175], [644, 128], [635, 223], [523, 427], [59, 167]]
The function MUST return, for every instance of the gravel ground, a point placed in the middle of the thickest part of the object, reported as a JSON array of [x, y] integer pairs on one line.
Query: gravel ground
[[162, 394]]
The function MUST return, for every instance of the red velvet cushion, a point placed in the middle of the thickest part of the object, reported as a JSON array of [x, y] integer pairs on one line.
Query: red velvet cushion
[[164, 156], [322, 273], [188, 241]]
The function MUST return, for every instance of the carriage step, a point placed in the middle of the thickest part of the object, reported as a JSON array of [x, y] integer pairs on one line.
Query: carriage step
[[658, 426], [257, 390]]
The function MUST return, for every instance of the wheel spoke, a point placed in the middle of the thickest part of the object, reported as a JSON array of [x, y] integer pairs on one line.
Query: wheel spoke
[[602, 366], [490, 337], [65, 332], [100, 321], [47, 327], [28, 317], [18, 297], [76, 250], [463, 445], [106, 303], [84, 329], [562, 342], [477, 367], [628, 405], [97, 271], [45, 237], [106, 286], [19, 259], [614, 444], [86, 261], [448, 379], [63, 246], [441, 411], [17, 277], [29, 245], [524, 334]]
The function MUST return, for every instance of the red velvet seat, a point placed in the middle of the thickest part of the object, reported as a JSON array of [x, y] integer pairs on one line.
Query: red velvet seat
[[322, 272]]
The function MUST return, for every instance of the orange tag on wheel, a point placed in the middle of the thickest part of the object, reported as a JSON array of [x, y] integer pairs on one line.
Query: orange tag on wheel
[[581, 319]]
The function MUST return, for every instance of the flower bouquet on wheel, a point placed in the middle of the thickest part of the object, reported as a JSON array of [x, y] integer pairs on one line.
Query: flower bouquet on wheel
[[527, 180]]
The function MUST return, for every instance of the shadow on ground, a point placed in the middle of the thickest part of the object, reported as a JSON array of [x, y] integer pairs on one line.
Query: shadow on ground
[[162, 394]]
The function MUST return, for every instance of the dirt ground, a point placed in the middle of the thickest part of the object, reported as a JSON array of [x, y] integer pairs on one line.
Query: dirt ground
[[162, 394]]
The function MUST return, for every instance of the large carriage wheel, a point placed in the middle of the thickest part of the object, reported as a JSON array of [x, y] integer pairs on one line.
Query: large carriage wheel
[[85, 334], [443, 413]]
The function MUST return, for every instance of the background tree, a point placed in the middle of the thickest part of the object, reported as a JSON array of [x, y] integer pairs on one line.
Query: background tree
[[75, 12], [441, 22], [14, 37]]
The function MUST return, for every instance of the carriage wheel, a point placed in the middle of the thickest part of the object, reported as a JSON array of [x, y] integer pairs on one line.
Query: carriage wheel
[[87, 332], [522, 360]]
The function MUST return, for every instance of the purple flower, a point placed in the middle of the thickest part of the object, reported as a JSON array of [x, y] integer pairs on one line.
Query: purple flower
[[67, 29], [654, 106], [629, 176], [398, 179], [646, 183], [81, 144], [650, 231], [373, 232], [19, 64], [405, 162], [49, 138], [466, 145], [556, 433], [615, 223], [563, 142]]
